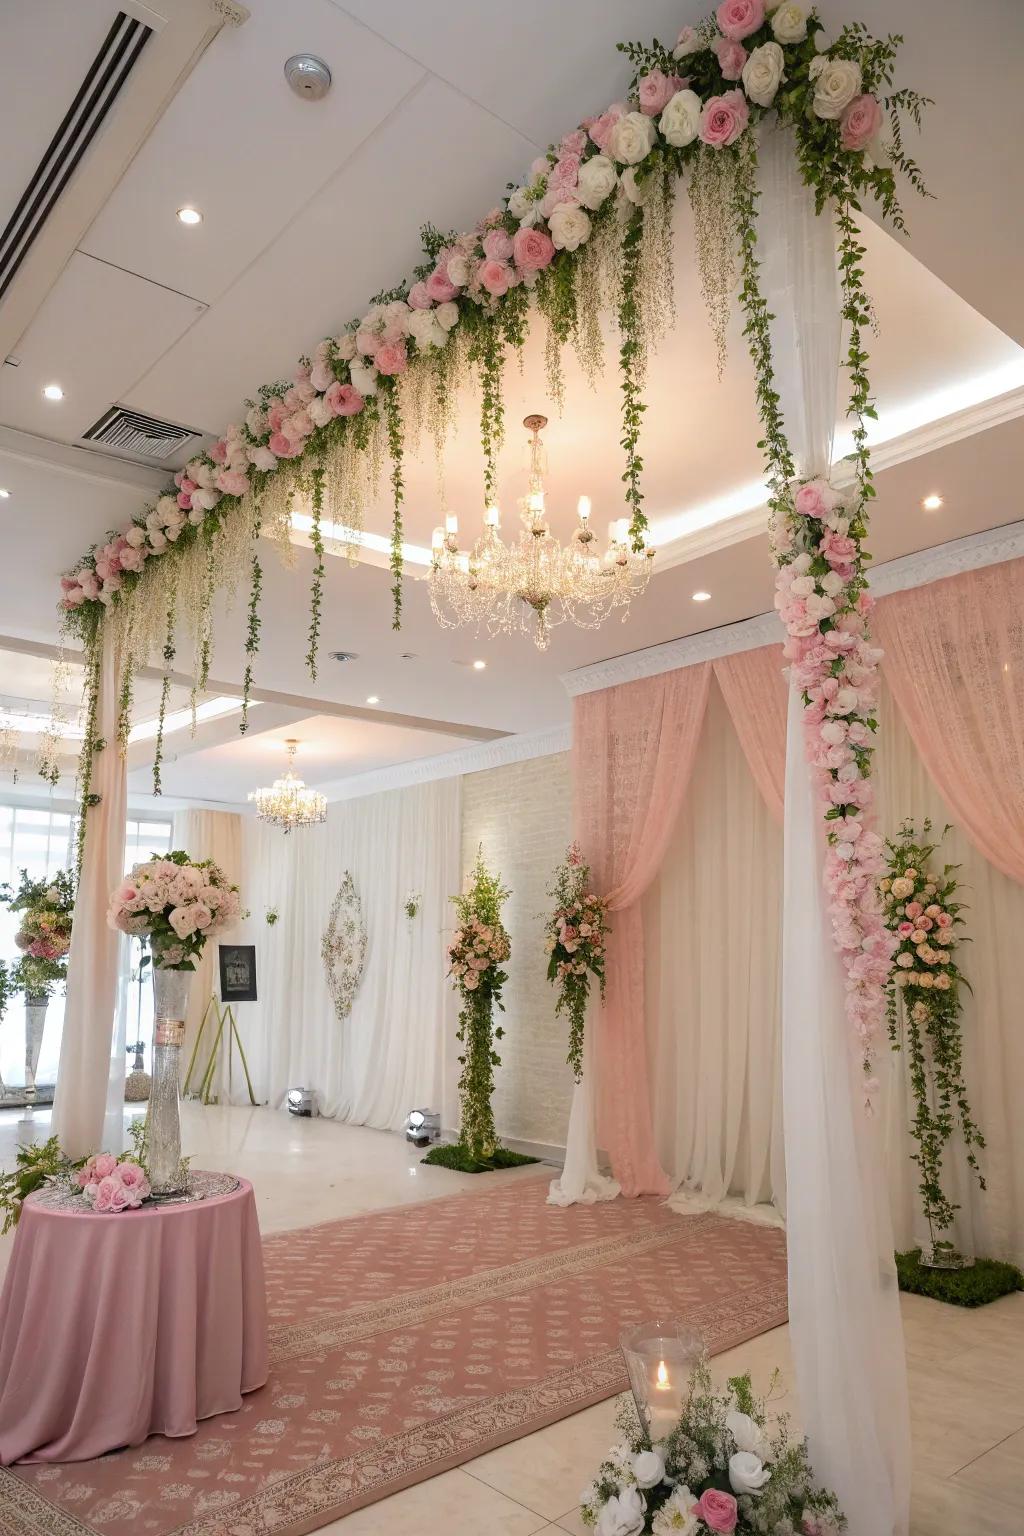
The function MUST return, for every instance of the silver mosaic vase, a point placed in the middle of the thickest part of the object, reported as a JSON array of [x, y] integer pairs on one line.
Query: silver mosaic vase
[[170, 1004], [35, 1023]]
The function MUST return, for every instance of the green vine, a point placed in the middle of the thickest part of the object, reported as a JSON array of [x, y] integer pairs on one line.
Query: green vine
[[480, 937], [393, 422], [630, 367], [165, 693], [91, 742], [317, 589], [488, 352], [252, 633]]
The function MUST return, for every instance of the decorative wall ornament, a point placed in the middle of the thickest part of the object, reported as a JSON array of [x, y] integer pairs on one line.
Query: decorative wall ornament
[[343, 946], [412, 904]]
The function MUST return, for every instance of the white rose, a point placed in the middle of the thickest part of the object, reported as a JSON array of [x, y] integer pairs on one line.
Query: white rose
[[136, 536], [569, 227], [256, 421], [748, 1434], [803, 586], [346, 346], [648, 1468], [364, 377], [687, 42], [457, 268], [262, 458], [789, 24], [832, 584], [623, 1515], [520, 203], [595, 182], [168, 507], [157, 540], [425, 330], [636, 191], [632, 138], [837, 82], [205, 499], [447, 314], [681, 118], [747, 1473], [763, 73], [320, 412]]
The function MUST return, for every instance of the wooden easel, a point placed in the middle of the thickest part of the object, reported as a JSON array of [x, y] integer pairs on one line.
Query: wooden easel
[[222, 1015]]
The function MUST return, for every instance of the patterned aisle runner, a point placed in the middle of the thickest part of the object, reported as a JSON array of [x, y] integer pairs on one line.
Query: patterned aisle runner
[[407, 1341]]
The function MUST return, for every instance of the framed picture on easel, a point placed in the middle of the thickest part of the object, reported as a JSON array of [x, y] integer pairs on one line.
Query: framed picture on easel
[[237, 972]]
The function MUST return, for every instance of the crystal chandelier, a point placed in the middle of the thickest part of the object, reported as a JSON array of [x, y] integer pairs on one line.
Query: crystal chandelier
[[530, 586], [288, 803]]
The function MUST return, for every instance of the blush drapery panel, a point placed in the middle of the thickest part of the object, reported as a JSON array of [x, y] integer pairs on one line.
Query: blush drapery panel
[[954, 659], [754, 690], [632, 750]]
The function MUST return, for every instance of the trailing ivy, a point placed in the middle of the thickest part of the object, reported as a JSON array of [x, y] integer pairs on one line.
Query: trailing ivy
[[252, 632], [165, 693], [393, 423], [630, 357], [91, 743], [488, 353], [317, 540]]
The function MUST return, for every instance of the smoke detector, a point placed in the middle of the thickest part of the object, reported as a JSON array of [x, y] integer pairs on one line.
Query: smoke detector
[[308, 76]]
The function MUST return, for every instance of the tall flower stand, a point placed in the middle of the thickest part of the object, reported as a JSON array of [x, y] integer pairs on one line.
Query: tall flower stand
[[170, 1005], [35, 1023]]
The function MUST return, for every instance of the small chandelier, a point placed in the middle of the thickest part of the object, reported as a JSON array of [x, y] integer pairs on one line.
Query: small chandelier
[[288, 803], [530, 586]]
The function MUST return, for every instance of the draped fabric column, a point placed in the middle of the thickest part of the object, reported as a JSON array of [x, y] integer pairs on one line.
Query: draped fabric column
[[844, 1303], [955, 663], [633, 749], [213, 835], [88, 1068]]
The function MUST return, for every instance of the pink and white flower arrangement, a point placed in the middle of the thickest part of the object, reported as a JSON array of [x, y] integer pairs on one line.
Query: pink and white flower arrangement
[[46, 910], [110, 1184], [179, 902], [821, 595], [577, 938]]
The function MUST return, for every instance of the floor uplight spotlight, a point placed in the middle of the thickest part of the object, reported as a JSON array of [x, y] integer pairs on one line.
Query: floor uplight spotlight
[[301, 1101], [422, 1127]]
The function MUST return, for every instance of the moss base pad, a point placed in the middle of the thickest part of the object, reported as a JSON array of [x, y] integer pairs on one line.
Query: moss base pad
[[985, 1281], [462, 1160]]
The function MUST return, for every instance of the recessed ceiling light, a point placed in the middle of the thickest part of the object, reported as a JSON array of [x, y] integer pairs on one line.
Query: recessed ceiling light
[[932, 503], [4, 493], [53, 392], [702, 597], [478, 666], [189, 215], [373, 699]]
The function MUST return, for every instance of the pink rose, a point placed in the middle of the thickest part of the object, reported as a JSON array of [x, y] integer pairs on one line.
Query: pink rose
[[440, 286], [655, 91], [600, 128], [184, 501], [860, 122], [219, 452], [283, 447], [392, 357], [905, 930], [731, 56], [276, 415], [810, 502], [497, 245], [496, 277], [717, 1509], [573, 143], [914, 909], [344, 399], [532, 249], [233, 482], [737, 19], [723, 119], [104, 1165], [419, 298], [944, 920]]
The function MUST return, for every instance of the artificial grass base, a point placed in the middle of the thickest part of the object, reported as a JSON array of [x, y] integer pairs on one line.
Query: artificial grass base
[[985, 1281], [455, 1155]]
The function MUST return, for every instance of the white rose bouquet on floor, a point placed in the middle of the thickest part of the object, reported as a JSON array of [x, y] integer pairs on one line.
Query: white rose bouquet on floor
[[180, 902], [723, 1469], [577, 935]]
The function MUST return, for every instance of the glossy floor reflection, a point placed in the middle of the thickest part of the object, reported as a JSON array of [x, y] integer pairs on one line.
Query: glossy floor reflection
[[966, 1368]]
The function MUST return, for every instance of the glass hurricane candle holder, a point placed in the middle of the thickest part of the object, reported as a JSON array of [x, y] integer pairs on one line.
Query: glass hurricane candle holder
[[660, 1358]]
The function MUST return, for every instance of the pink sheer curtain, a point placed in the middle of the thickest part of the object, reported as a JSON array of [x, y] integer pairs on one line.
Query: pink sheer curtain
[[632, 750], [954, 659], [754, 690]]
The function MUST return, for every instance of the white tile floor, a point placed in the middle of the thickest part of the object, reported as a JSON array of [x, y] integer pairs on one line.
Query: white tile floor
[[966, 1368]]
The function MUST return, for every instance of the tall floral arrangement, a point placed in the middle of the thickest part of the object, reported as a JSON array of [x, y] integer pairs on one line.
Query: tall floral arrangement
[[180, 902], [46, 910], [577, 934], [477, 953], [725, 1468], [924, 1012]]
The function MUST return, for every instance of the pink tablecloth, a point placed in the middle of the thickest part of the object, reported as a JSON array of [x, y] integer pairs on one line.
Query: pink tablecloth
[[115, 1327]]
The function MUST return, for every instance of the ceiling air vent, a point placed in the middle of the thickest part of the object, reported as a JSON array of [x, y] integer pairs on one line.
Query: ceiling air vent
[[103, 83], [132, 432]]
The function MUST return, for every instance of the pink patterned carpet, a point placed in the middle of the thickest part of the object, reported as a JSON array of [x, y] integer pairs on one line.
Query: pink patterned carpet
[[410, 1340]]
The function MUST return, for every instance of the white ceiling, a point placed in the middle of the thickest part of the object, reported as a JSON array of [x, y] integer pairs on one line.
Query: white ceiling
[[310, 207]]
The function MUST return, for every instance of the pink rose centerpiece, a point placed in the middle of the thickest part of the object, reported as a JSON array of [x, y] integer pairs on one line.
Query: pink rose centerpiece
[[110, 1185], [577, 937]]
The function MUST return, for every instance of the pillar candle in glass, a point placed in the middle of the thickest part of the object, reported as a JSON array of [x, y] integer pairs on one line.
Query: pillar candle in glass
[[660, 1357]]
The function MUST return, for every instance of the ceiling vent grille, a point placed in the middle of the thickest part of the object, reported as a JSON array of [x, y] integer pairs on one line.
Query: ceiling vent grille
[[103, 83], [131, 432]]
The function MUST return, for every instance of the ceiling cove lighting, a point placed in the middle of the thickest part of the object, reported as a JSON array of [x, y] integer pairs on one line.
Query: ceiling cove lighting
[[932, 503], [31, 724], [189, 215], [52, 392], [287, 802]]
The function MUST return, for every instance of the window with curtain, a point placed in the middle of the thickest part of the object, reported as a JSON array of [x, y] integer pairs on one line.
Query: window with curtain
[[42, 841]]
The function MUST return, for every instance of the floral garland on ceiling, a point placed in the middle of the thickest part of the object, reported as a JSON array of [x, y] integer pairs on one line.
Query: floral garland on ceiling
[[589, 228]]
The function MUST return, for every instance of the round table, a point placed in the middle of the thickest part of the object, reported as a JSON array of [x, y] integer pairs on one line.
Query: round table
[[116, 1327]]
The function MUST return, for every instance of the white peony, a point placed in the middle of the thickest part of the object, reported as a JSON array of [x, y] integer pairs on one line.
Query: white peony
[[136, 536], [320, 412], [256, 421], [346, 346], [763, 73], [262, 458], [747, 1473], [157, 540], [447, 314], [623, 1515], [681, 118], [596, 181], [648, 1468], [687, 42], [632, 138], [168, 507], [569, 227], [520, 203], [632, 188], [364, 377], [205, 499], [425, 329], [836, 83], [748, 1434], [789, 24]]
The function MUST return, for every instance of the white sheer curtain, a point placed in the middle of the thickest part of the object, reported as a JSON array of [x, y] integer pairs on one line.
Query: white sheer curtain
[[213, 835], [844, 1303], [386, 1057], [712, 930]]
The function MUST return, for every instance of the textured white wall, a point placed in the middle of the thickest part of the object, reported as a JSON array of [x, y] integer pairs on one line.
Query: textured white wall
[[521, 814]]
